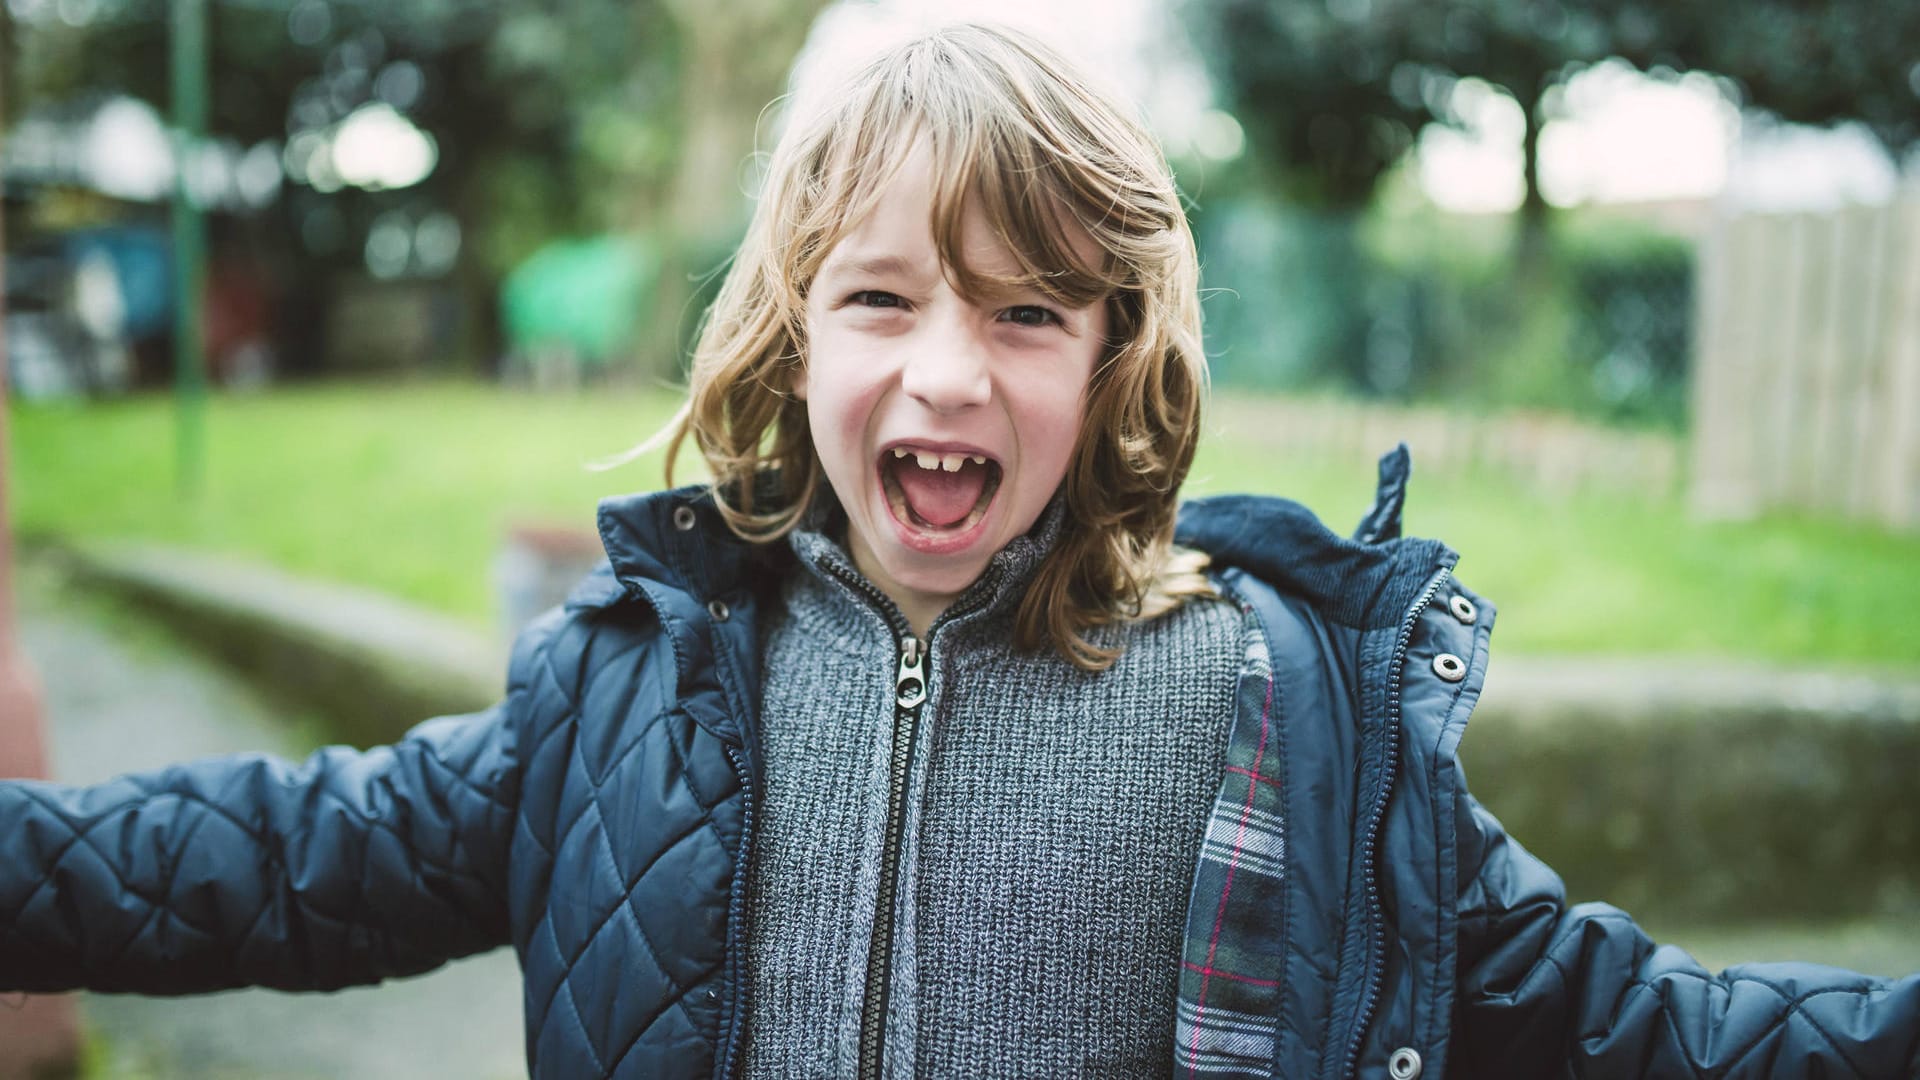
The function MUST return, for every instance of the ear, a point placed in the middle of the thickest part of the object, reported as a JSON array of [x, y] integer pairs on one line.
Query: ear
[[796, 376]]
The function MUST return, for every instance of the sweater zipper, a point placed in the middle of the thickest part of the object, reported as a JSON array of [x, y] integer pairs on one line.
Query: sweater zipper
[[1370, 998], [909, 693]]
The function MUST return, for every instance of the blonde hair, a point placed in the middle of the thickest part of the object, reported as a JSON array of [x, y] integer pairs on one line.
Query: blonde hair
[[1016, 135]]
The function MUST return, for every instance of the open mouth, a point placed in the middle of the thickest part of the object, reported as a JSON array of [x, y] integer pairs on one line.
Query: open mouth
[[936, 491]]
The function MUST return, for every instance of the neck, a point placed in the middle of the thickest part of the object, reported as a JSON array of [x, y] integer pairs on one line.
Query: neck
[[920, 608], [921, 611]]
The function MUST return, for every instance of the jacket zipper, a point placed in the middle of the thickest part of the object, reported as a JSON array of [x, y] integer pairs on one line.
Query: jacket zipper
[[909, 693], [1370, 999], [736, 919]]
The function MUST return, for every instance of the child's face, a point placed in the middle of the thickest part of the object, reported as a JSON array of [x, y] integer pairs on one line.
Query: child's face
[[944, 425]]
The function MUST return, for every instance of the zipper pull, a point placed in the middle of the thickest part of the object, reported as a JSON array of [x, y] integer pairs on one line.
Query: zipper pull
[[910, 684]]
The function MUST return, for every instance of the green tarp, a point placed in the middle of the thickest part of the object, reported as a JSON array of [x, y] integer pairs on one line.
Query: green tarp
[[581, 295]]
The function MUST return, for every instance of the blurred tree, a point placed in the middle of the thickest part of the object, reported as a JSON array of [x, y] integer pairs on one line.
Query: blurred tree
[[1808, 63], [1313, 83], [733, 63], [1332, 93], [1326, 112], [547, 119], [1524, 47]]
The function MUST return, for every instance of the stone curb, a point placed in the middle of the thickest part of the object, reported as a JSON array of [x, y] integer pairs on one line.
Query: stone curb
[[371, 665], [1708, 791], [1641, 689]]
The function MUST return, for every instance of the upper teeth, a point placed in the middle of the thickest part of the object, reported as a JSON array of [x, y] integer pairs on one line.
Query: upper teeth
[[927, 459]]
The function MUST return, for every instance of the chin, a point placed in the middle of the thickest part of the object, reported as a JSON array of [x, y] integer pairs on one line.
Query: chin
[[941, 576]]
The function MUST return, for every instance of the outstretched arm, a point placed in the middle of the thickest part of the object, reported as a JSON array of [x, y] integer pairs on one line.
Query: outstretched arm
[[1549, 990], [348, 868]]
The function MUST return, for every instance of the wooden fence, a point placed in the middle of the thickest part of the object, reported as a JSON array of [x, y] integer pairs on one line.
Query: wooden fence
[[1806, 373], [1548, 454]]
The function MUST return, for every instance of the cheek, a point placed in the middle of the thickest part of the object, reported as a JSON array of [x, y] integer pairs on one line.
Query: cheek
[[1066, 396], [840, 392], [1052, 418]]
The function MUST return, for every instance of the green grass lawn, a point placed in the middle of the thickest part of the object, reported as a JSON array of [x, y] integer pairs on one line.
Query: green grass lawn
[[1886, 947], [408, 488]]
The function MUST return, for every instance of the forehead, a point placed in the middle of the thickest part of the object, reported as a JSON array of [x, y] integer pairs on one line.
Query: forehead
[[926, 218], [897, 232]]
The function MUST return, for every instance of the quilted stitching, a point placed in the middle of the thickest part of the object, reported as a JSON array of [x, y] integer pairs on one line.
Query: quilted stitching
[[177, 814], [1638, 1004], [80, 837], [656, 745], [1793, 1007], [591, 817]]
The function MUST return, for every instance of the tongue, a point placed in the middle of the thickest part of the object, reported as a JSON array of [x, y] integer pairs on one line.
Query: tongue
[[940, 498]]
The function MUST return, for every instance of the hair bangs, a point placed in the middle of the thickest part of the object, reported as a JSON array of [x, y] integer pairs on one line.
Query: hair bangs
[[856, 150]]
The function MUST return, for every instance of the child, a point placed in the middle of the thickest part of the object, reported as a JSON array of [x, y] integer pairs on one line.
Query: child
[[922, 742]]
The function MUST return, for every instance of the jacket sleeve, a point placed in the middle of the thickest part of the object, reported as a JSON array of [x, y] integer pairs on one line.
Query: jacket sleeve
[[348, 868], [1547, 990]]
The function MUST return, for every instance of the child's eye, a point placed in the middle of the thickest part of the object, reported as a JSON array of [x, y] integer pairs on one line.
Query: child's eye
[[875, 298], [1029, 315]]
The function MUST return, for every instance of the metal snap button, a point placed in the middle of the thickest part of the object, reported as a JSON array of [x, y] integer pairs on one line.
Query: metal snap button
[[1405, 1064], [1463, 609], [719, 611], [1449, 667], [684, 518]]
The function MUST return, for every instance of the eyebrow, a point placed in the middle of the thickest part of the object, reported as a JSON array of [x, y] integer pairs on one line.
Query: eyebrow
[[872, 266]]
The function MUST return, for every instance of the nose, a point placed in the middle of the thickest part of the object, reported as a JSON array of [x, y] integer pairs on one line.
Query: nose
[[947, 370]]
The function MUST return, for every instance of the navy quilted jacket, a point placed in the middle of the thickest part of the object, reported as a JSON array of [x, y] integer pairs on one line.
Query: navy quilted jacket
[[597, 820]]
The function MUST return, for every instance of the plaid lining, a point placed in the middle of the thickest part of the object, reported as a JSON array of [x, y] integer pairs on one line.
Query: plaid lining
[[1228, 1041], [1230, 963], [1250, 833]]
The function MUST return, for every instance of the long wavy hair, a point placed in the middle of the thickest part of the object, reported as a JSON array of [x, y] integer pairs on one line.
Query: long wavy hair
[[1019, 136]]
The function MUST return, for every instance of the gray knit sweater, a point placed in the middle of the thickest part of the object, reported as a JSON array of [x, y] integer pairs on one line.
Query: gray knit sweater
[[1054, 818]]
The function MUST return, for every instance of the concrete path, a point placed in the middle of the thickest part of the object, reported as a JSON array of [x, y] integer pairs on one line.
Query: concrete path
[[120, 696]]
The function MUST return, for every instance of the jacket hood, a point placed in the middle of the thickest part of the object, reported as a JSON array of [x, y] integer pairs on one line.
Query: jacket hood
[[1367, 582]]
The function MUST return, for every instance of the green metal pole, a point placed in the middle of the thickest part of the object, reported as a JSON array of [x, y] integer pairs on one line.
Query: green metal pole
[[188, 64]]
